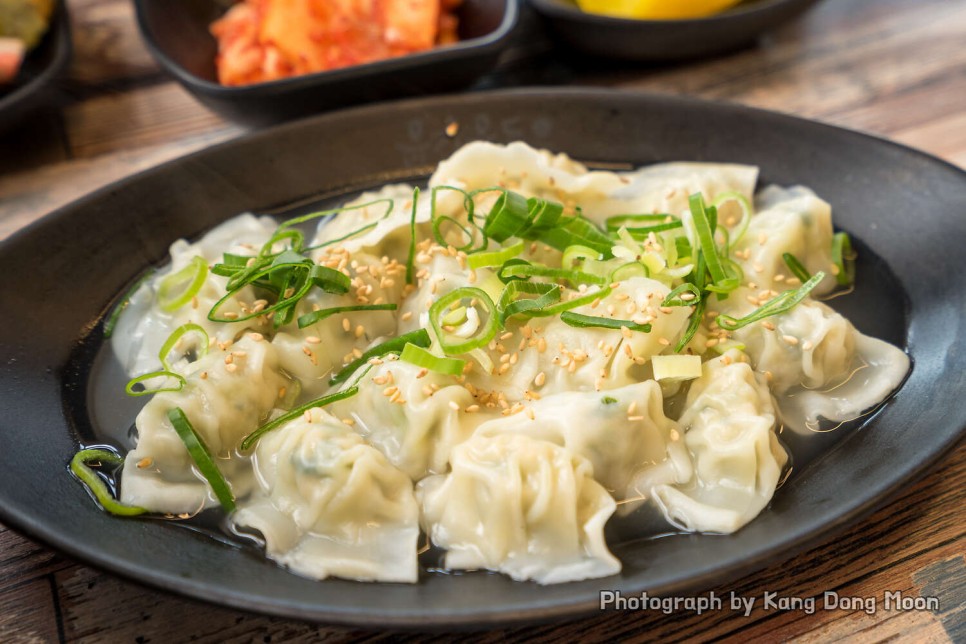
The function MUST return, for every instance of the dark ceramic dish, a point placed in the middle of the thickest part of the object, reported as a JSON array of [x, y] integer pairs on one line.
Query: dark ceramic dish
[[93, 248], [666, 40], [40, 68], [176, 33]]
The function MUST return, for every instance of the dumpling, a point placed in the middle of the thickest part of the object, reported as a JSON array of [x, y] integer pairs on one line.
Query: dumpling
[[144, 327], [623, 432], [729, 423], [521, 506], [411, 418], [314, 353], [824, 365], [227, 395], [794, 221], [328, 504]]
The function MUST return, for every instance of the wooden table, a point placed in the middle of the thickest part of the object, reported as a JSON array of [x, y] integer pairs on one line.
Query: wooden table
[[895, 68]]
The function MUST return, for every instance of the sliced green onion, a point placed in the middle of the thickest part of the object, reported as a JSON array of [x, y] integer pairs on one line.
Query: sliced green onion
[[468, 207], [608, 400], [566, 305], [390, 204], [411, 258], [796, 267], [80, 467], [775, 306], [395, 345], [510, 304], [252, 438], [455, 317], [317, 316], [129, 388], [484, 334], [683, 247], [544, 216], [177, 289], [423, 358], [202, 457], [536, 270], [674, 298], [176, 336], [627, 271], [508, 216], [580, 321], [721, 283], [495, 257], [644, 231], [123, 303], [577, 231], [738, 230], [617, 222], [697, 314], [578, 256], [842, 257]]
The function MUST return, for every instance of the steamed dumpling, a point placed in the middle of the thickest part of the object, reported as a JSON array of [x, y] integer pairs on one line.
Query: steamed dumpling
[[329, 504], [521, 506], [729, 424]]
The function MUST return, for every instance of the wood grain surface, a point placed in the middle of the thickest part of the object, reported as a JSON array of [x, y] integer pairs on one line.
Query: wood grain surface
[[893, 68]]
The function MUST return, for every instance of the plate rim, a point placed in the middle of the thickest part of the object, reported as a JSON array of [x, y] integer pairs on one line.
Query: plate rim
[[774, 552]]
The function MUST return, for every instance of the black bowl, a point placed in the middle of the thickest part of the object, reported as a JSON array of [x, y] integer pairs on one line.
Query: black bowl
[[176, 33], [40, 67], [666, 40]]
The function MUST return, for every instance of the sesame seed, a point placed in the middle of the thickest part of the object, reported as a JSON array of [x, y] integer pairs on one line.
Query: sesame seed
[[790, 339], [664, 341], [674, 434], [389, 391], [349, 421], [626, 332], [472, 409], [635, 418], [281, 392], [256, 337], [454, 405], [147, 461], [346, 325], [530, 413], [540, 379], [768, 325], [632, 407], [360, 331], [408, 315], [807, 345], [313, 339], [231, 368]]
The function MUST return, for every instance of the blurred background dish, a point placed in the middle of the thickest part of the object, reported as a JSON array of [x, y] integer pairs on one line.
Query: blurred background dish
[[178, 34], [663, 39], [46, 51]]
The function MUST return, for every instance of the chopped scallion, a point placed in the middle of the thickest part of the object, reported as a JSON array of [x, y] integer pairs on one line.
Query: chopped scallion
[[423, 358], [775, 306], [80, 467], [252, 438], [202, 457]]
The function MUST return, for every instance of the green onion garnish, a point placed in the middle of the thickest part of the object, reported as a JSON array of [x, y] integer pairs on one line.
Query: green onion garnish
[[390, 203], [674, 297], [129, 387], [395, 345], [796, 267], [202, 457], [495, 257], [423, 358], [615, 223], [842, 257], [536, 270], [693, 323], [510, 304], [737, 231], [317, 316], [608, 400], [581, 321], [411, 258], [200, 352], [627, 271], [252, 438], [177, 289], [702, 216], [508, 217], [80, 467], [123, 303], [486, 330], [775, 306]]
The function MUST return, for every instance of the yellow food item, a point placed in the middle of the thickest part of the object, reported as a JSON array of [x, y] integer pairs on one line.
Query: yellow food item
[[25, 20], [656, 9]]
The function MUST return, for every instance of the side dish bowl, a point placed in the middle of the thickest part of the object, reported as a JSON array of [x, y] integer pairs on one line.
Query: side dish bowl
[[666, 40], [40, 68], [177, 35], [93, 249]]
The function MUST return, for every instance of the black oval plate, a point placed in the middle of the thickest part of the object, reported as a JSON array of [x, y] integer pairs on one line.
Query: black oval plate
[[62, 273], [666, 40]]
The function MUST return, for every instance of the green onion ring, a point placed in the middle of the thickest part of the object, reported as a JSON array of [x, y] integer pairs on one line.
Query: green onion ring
[[423, 358], [177, 289], [79, 466], [419, 337], [129, 387], [674, 297], [796, 267], [176, 335], [488, 328], [495, 257]]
